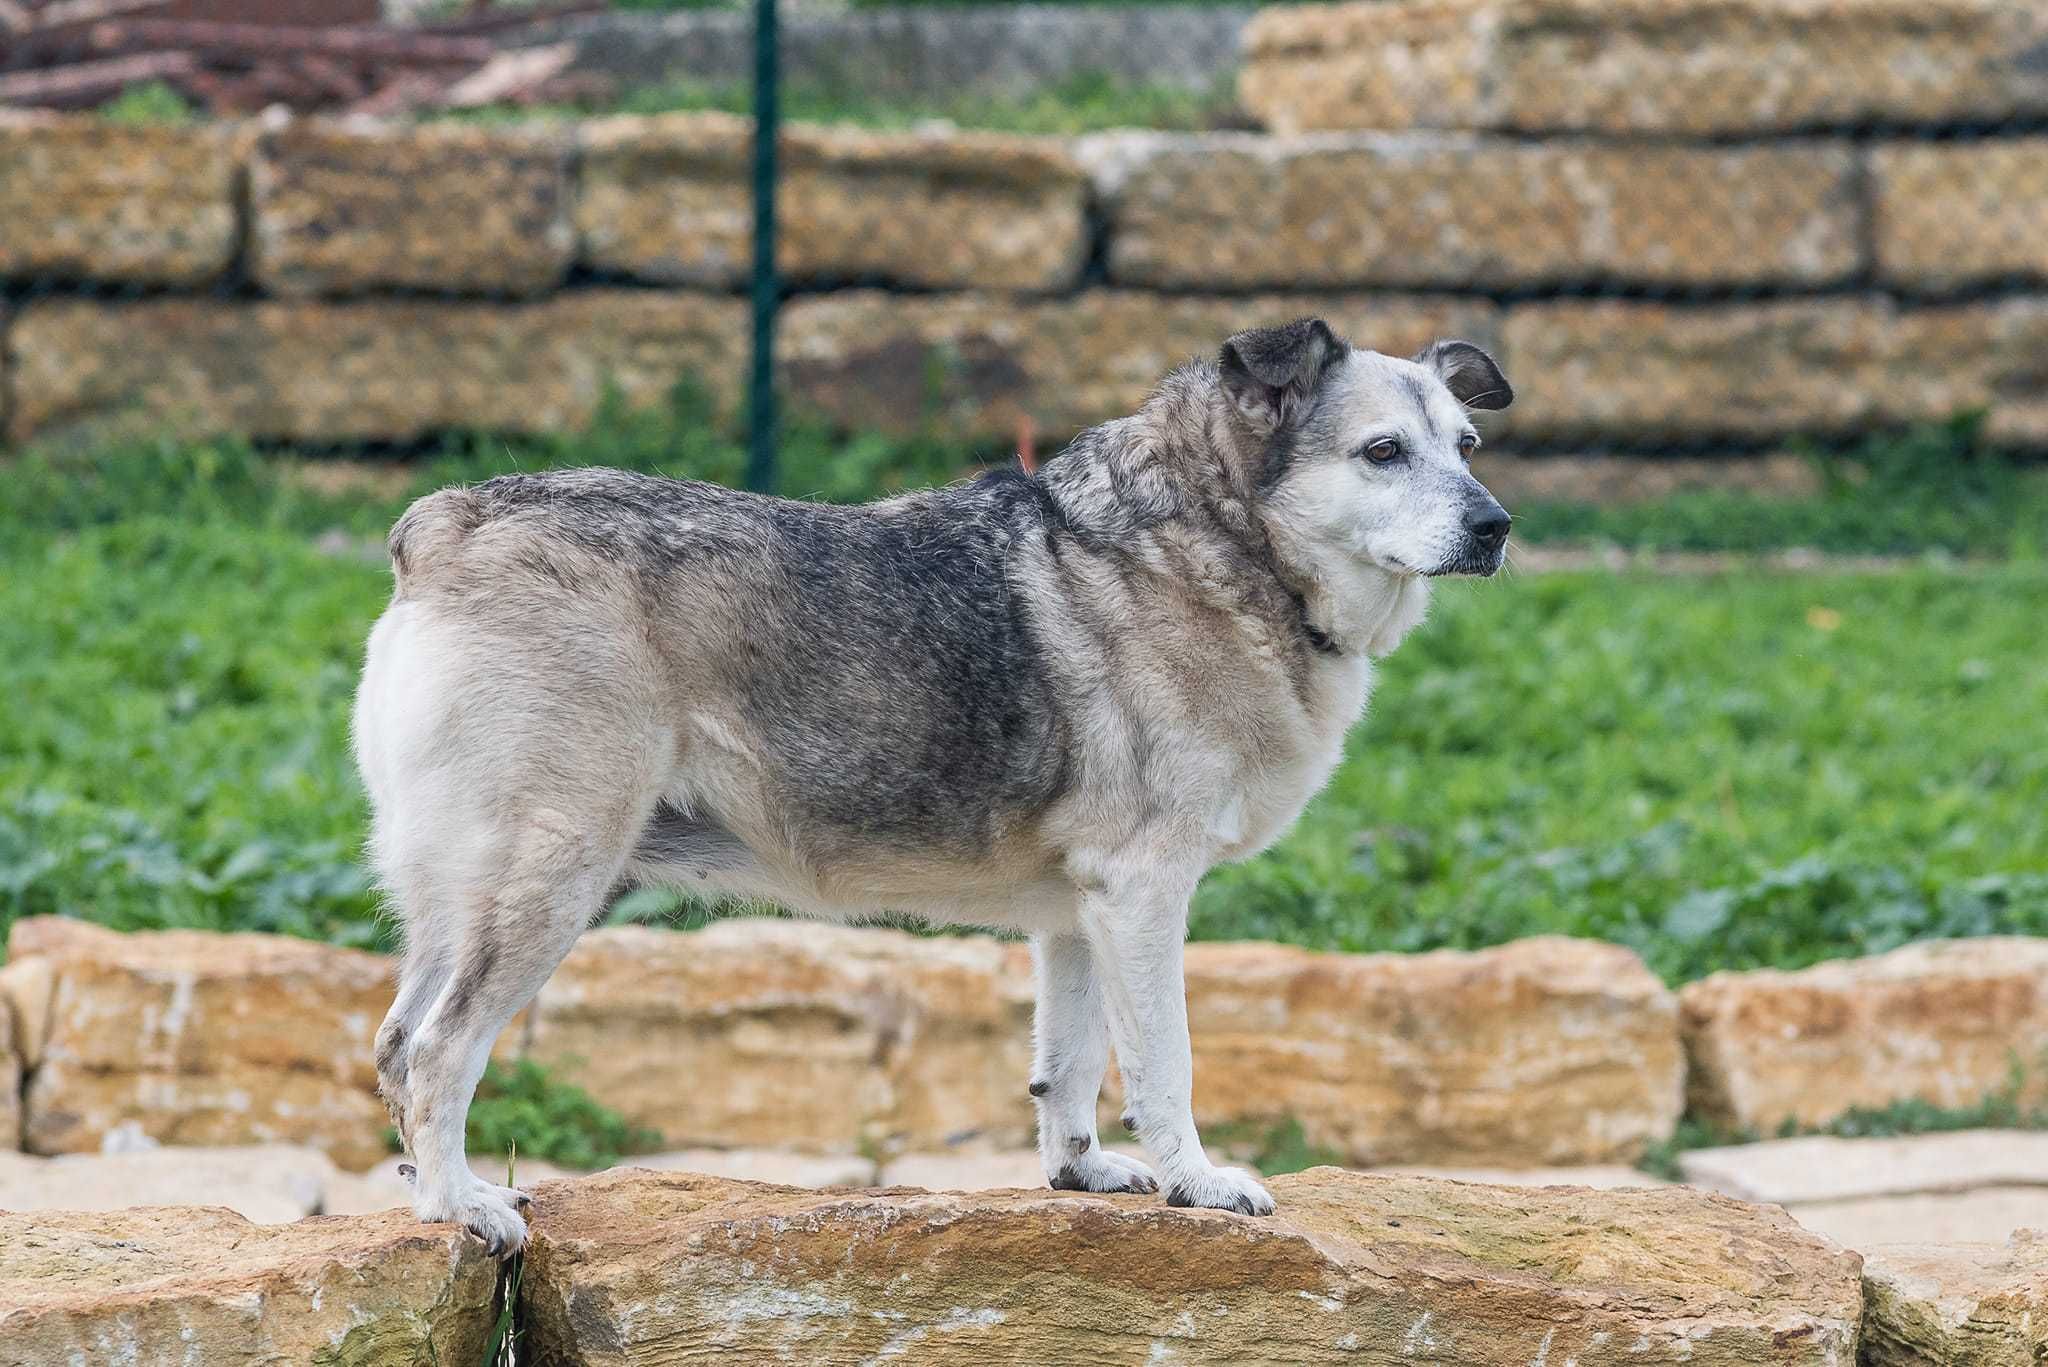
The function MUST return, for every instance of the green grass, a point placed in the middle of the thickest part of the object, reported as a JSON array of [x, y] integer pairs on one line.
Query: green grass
[[1688, 766], [1085, 103], [1719, 771], [523, 1109], [153, 102]]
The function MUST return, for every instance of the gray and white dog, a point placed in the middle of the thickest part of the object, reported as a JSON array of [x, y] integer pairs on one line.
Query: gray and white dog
[[1042, 702]]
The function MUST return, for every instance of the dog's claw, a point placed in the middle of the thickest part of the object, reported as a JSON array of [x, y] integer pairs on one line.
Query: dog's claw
[[1222, 1189], [1106, 1173]]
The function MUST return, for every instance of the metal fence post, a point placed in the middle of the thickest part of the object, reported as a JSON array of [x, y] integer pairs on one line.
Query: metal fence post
[[767, 289]]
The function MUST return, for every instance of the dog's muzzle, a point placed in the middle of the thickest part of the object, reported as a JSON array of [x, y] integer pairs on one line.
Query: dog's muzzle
[[1485, 545]]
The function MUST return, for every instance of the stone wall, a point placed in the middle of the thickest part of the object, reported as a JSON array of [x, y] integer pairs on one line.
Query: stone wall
[[780, 1034], [1772, 257], [772, 1033]]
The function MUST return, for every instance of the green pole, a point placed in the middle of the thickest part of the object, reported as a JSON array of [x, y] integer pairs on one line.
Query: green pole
[[767, 290]]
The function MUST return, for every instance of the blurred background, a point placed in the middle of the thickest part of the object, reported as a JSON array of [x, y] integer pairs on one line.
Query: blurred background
[[1765, 684]]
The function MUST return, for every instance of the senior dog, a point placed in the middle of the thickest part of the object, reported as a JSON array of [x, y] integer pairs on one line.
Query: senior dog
[[1043, 702]]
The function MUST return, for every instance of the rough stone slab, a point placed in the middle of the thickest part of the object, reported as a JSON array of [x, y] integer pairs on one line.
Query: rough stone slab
[[1951, 214], [189, 1037], [818, 1037], [1011, 1169], [1543, 1051], [1940, 1021], [84, 198], [763, 1165], [347, 208], [368, 370], [1446, 210], [979, 364], [1667, 66], [1986, 1215], [630, 1268], [829, 1039], [268, 1184], [1596, 1176], [197, 1285], [1821, 1168], [1971, 1306], [667, 199], [1631, 371]]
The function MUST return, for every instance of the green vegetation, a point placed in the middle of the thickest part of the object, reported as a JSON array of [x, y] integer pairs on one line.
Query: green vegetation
[[1719, 771], [1082, 104], [1271, 1149], [151, 102], [522, 1108]]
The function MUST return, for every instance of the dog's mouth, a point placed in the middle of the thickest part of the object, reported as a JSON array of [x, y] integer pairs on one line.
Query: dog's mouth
[[1478, 559]]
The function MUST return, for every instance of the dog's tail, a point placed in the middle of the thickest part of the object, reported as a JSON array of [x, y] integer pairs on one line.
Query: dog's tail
[[427, 535]]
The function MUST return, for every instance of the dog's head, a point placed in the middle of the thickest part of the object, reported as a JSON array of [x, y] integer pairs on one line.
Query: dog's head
[[1352, 453]]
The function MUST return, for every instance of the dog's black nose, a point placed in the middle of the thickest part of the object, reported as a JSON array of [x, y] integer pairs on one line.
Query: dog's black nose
[[1488, 523]]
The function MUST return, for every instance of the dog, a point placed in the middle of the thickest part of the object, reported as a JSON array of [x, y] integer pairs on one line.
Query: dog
[[1042, 702]]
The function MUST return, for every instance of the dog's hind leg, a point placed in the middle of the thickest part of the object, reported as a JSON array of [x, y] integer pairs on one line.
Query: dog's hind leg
[[1070, 1054], [520, 920], [424, 965]]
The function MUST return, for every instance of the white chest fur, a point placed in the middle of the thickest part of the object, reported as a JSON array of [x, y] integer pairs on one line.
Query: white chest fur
[[1278, 783]]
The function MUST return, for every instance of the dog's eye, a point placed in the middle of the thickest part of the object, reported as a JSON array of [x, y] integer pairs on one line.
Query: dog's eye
[[1467, 444], [1381, 452]]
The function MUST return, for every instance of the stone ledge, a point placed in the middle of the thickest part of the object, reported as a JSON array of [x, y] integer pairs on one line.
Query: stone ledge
[[633, 1266], [666, 199], [84, 198], [349, 208], [1972, 1305], [980, 364], [197, 1038], [1638, 372], [837, 1040], [1452, 210], [1621, 373], [1941, 1022], [1947, 215], [200, 1284], [627, 1266], [1545, 1050], [1742, 66], [364, 370]]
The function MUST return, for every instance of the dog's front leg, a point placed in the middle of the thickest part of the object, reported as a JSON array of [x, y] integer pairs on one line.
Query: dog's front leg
[[1135, 926], [1069, 1056]]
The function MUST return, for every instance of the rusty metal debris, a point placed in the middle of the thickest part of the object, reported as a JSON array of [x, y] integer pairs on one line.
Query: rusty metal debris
[[238, 56]]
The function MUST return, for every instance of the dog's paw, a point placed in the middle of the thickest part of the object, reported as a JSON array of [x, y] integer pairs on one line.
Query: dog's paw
[[1221, 1189], [518, 1199], [491, 1213], [1097, 1170]]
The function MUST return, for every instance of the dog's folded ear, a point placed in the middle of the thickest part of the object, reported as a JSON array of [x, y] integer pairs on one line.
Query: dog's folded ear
[[1469, 373], [1271, 374]]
